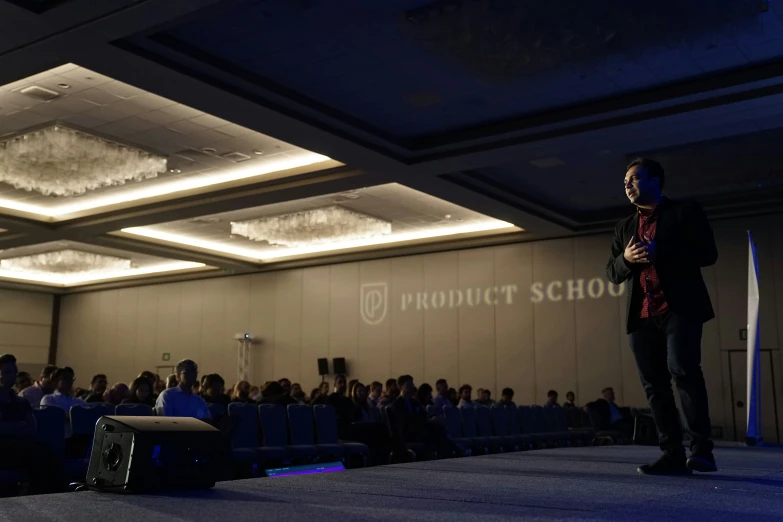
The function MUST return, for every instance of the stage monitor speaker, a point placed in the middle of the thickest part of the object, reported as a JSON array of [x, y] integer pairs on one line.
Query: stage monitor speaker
[[338, 364], [148, 454], [323, 366]]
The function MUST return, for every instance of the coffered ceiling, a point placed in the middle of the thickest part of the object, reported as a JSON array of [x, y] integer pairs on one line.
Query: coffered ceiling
[[452, 124]]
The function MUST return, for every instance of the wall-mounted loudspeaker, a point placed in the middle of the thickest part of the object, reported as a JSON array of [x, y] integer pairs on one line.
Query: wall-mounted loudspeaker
[[147, 454], [338, 364], [323, 366]]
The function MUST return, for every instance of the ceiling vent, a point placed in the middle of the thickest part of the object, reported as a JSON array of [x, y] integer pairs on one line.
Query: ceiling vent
[[39, 93], [236, 157]]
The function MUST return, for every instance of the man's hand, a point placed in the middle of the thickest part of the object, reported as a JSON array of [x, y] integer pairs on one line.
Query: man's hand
[[640, 252], [651, 250]]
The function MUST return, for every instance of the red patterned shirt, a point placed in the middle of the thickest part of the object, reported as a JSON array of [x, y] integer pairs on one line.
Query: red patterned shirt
[[654, 302]]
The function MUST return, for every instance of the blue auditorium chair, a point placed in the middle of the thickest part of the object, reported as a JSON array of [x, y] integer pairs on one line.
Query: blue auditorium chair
[[326, 428], [134, 410], [274, 430], [470, 429], [556, 423], [84, 417], [453, 422], [216, 410], [484, 426], [302, 429], [500, 428], [50, 427], [525, 416], [245, 446], [400, 447]]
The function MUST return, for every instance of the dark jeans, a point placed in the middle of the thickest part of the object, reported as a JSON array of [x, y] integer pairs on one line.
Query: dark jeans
[[668, 347]]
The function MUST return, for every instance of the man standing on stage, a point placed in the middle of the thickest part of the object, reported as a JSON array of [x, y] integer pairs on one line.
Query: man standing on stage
[[660, 250]]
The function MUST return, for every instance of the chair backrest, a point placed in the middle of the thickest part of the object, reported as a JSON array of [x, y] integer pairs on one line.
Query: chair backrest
[[573, 417], [300, 425], [85, 416], [453, 421], [555, 419], [135, 410], [245, 432], [50, 426], [437, 411], [526, 419], [512, 420], [274, 424], [216, 410], [499, 420], [484, 421], [597, 421], [325, 424], [539, 420], [469, 427]]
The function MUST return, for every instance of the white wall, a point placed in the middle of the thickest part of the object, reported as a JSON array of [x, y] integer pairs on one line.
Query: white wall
[[25, 327]]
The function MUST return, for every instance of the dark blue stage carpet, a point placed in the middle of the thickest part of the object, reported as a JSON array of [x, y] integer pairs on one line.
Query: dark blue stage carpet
[[598, 483]]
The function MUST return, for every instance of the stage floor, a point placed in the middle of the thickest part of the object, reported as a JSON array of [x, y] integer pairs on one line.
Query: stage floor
[[597, 483]]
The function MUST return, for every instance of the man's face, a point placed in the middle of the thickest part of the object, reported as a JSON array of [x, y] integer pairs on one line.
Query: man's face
[[393, 389], [188, 376], [340, 384], [609, 395], [507, 398], [570, 397], [408, 389], [100, 385], [443, 388], [377, 391], [485, 395], [286, 384], [65, 383], [465, 394], [8, 373], [553, 398], [639, 188], [295, 388]]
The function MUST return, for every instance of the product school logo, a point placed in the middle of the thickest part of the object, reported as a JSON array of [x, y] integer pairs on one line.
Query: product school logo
[[374, 297]]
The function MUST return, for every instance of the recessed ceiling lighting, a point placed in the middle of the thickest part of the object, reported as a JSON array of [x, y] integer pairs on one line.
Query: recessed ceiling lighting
[[447, 216], [258, 152], [65, 280]]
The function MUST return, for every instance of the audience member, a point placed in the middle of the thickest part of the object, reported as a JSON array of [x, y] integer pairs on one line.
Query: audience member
[[118, 393], [323, 389], [314, 393], [465, 397], [171, 381], [241, 392], [351, 384], [442, 399], [274, 393], [390, 394], [286, 384], [159, 386], [551, 399], [214, 390], [507, 398], [299, 395], [570, 401], [295, 388], [255, 393], [62, 397], [362, 404], [23, 380], [485, 398], [618, 419], [182, 400], [374, 395], [19, 448], [343, 407], [42, 387], [141, 392], [98, 386], [411, 424], [424, 395], [453, 396], [365, 429], [153, 379]]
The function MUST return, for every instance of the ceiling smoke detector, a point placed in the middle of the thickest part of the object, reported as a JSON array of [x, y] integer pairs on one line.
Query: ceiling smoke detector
[[40, 93]]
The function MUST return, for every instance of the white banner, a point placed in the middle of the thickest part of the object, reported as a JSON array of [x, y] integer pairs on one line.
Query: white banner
[[754, 371]]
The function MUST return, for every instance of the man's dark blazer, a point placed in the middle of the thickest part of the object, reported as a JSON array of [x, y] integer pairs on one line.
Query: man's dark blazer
[[684, 244], [411, 424]]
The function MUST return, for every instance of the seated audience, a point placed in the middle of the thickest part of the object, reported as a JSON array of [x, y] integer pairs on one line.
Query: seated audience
[[182, 400], [374, 394], [43, 386], [295, 388], [506, 398], [97, 388], [118, 393], [392, 392], [255, 393], [241, 392], [362, 404], [366, 430], [19, 448], [453, 396], [141, 393], [465, 394], [442, 397], [213, 390], [411, 424], [485, 398], [23, 380], [153, 379], [171, 381], [424, 395], [314, 393], [159, 386], [299, 395], [570, 401], [62, 397], [274, 393], [343, 406], [551, 399], [612, 416], [286, 384]]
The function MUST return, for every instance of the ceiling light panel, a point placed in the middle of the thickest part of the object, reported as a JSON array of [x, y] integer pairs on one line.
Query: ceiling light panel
[[87, 101]]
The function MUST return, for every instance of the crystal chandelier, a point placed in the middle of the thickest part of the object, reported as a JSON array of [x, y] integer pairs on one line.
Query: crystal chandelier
[[59, 161], [66, 262], [322, 225]]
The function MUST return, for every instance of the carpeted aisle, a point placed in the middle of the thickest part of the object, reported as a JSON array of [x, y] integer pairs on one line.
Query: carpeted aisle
[[598, 483]]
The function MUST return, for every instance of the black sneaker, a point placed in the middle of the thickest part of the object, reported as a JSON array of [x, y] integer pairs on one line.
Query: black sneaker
[[668, 464], [702, 461]]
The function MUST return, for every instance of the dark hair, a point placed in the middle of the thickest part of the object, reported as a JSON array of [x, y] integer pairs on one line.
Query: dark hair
[[569, 392], [352, 383], [440, 381], [48, 371], [182, 364], [272, 389], [608, 388], [402, 379], [654, 169], [7, 358], [507, 392], [340, 376], [60, 371], [213, 378], [281, 379], [352, 391], [389, 382], [423, 390], [98, 376], [551, 393], [374, 384], [137, 383], [149, 376], [465, 387]]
